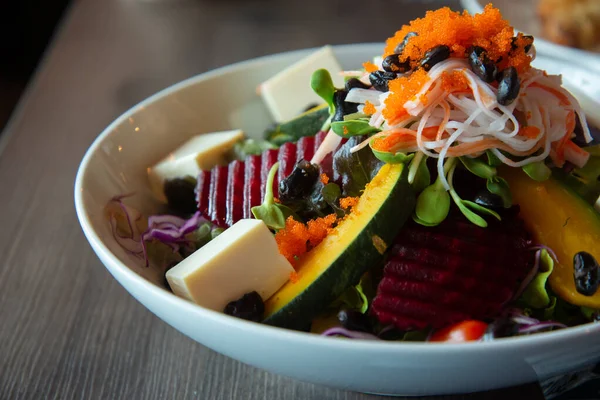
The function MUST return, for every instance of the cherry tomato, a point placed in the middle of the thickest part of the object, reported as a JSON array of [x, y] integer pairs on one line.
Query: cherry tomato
[[462, 332]]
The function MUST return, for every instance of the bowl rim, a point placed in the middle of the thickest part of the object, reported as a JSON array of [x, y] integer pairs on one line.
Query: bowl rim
[[116, 266]]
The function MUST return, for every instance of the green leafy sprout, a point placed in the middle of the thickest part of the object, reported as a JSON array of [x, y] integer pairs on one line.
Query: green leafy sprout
[[271, 213]]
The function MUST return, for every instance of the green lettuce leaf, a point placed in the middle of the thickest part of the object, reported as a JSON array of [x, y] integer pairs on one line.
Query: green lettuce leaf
[[358, 297], [354, 170]]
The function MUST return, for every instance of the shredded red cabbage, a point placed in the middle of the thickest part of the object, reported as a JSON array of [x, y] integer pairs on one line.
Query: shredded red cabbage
[[530, 325], [338, 330], [128, 243], [171, 230], [168, 229], [540, 326]]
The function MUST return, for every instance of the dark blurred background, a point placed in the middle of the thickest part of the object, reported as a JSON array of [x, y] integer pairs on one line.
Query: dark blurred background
[[26, 28]]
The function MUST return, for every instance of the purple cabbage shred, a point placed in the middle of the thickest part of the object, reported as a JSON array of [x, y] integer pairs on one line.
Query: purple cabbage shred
[[339, 331], [167, 229]]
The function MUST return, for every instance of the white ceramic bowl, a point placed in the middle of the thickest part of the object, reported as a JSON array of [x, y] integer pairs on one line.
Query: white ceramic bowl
[[226, 98]]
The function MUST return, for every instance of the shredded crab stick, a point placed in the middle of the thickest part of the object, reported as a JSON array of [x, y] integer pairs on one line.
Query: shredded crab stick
[[449, 111]]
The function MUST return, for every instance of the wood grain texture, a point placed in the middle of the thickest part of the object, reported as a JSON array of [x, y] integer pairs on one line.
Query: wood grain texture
[[67, 329]]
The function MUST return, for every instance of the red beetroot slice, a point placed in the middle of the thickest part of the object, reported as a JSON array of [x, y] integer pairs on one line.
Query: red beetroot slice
[[235, 193], [305, 148], [218, 195], [203, 191], [287, 161], [433, 278], [251, 182], [227, 194]]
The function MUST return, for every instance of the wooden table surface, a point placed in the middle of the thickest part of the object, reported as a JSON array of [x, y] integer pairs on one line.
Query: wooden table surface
[[67, 329]]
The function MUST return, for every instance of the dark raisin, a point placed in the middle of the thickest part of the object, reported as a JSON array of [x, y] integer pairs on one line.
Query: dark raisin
[[392, 63], [356, 83], [489, 200], [585, 273], [528, 40], [180, 195], [300, 182], [380, 79], [480, 63], [509, 86], [341, 106], [400, 48], [354, 320], [434, 56], [250, 306], [339, 98]]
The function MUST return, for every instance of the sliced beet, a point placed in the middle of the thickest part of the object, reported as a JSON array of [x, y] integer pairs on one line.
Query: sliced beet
[[227, 194], [218, 195], [287, 160], [252, 194], [436, 276], [235, 193], [305, 148], [202, 192]]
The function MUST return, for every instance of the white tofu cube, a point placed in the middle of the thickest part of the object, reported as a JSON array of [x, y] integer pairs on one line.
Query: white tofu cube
[[202, 152], [288, 93], [244, 258]]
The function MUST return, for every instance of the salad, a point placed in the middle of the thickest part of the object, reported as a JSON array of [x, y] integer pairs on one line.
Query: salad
[[446, 191]]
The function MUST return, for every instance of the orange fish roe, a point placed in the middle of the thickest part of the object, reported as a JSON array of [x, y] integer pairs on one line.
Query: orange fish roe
[[319, 228], [530, 132], [292, 239], [454, 81], [390, 142], [324, 179], [459, 32], [403, 89], [369, 108], [296, 238], [369, 66], [345, 130], [348, 202]]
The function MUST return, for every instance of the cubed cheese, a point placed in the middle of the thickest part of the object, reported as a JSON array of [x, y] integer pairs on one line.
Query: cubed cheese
[[244, 258], [288, 93], [202, 152]]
